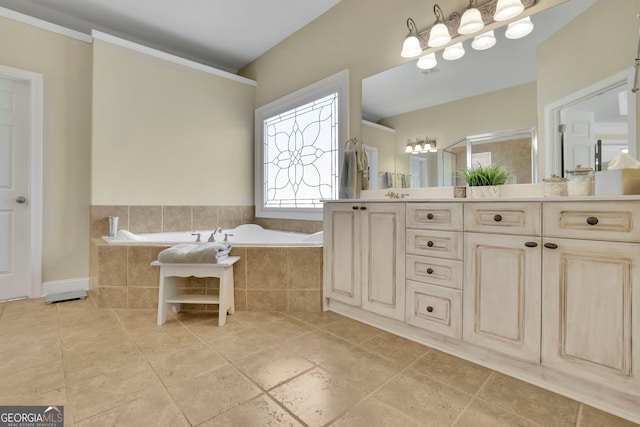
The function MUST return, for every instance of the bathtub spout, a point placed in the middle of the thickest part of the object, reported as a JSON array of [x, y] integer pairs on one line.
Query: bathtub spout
[[197, 238], [212, 238]]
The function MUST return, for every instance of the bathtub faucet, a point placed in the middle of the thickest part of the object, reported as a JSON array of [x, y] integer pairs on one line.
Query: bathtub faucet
[[197, 238], [212, 238]]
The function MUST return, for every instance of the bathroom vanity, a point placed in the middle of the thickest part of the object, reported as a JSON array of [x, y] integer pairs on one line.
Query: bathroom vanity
[[544, 289]]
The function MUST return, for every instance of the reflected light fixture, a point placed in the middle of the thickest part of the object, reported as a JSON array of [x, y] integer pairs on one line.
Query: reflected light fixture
[[453, 52], [484, 41], [411, 46], [507, 9], [471, 20], [427, 145], [519, 29], [439, 35], [427, 62]]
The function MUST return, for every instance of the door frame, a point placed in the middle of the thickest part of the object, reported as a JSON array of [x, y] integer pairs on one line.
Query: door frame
[[35, 82], [623, 80]]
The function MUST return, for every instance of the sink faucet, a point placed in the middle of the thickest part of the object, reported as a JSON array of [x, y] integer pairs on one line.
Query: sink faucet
[[392, 195]]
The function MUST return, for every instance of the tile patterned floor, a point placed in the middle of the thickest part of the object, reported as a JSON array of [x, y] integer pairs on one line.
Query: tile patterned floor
[[117, 368]]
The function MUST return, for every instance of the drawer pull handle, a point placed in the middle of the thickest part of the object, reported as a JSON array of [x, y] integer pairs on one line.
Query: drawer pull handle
[[363, 208], [429, 270], [551, 246], [592, 220], [430, 243], [430, 216], [497, 218], [531, 244], [429, 309], [355, 208]]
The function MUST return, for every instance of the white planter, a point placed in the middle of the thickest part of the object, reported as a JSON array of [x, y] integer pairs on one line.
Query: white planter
[[483, 191]]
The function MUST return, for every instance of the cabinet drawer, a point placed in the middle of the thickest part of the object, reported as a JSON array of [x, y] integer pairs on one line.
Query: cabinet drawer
[[594, 221], [434, 308], [503, 218], [440, 244], [436, 271], [435, 216]]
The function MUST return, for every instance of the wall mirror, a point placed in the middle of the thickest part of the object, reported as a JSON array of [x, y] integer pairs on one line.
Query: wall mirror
[[483, 93]]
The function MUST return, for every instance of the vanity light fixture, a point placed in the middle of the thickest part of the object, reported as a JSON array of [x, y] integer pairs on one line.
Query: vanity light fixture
[[439, 35], [411, 46], [507, 9], [519, 29], [484, 41], [471, 20], [427, 62], [453, 52], [418, 146]]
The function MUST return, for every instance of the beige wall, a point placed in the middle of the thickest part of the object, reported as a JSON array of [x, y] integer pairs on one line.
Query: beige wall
[[65, 64], [165, 134], [597, 44]]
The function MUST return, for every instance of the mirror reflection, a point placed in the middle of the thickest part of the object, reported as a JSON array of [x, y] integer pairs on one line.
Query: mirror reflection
[[485, 92]]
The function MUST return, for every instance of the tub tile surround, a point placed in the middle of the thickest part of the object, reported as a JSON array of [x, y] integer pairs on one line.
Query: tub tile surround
[[117, 367]]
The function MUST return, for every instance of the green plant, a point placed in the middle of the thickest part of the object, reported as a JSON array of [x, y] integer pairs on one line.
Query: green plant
[[489, 175]]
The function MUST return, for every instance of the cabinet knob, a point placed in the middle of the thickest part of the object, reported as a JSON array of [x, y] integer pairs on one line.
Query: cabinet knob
[[355, 208], [531, 244], [430, 216], [430, 243], [363, 208], [429, 309], [551, 246], [592, 220], [497, 218], [429, 270]]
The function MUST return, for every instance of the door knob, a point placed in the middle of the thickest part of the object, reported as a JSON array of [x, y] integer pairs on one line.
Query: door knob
[[21, 199]]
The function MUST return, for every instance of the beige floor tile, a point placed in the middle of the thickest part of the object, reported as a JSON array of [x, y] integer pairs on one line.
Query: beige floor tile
[[395, 347], [144, 323], [317, 397], [361, 368], [111, 338], [319, 320], [284, 329], [205, 396], [424, 399], [188, 318], [481, 413], [32, 381], [352, 331], [257, 318], [529, 401], [209, 331], [261, 411], [373, 413], [102, 361], [17, 342], [186, 363], [592, 417], [13, 333], [318, 345], [273, 366], [52, 397], [42, 352], [106, 391], [155, 409], [167, 343], [452, 370], [235, 347]]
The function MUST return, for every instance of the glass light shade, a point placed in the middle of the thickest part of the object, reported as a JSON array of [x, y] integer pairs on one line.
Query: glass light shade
[[453, 52], [427, 62], [411, 47], [439, 35], [408, 149], [471, 21], [417, 148], [484, 41], [519, 29], [507, 9]]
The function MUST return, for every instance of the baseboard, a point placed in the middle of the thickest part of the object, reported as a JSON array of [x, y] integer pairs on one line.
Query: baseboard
[[67, 285]]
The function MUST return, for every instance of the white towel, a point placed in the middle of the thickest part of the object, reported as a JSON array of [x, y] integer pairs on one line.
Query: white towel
[[195, 253]]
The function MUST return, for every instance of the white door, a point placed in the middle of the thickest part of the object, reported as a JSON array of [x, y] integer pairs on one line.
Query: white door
[[14, 186], [579, 138]]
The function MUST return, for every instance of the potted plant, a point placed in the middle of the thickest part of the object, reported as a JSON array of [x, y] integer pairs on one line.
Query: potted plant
[[483, 181]]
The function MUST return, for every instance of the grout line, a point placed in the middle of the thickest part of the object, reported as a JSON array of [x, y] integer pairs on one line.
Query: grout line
[[65, 372], [579, 415], [473, 398]]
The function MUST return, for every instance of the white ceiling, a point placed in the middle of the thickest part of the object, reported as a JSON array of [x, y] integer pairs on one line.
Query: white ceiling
[[227, 34], [509, 63]]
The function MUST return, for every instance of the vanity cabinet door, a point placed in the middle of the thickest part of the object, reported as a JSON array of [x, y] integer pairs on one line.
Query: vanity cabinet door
[[501, 298], [383, 259], [342, 278], [589, 313]]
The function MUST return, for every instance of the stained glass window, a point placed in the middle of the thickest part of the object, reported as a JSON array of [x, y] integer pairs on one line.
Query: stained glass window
[[300, 155]]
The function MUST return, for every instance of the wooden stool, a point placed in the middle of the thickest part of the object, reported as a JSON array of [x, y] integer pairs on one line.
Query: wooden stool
[[168, 296]]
